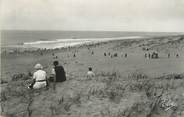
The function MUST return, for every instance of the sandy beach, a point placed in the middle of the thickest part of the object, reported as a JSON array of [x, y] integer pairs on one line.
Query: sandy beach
[[133, 47], [95, 97]]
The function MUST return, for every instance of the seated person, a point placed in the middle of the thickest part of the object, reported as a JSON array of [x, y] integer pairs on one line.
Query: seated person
[[58, 72], [90, 73], [39, 78]]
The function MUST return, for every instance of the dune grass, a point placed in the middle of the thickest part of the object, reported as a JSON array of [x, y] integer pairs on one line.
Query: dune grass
[[154, 97]]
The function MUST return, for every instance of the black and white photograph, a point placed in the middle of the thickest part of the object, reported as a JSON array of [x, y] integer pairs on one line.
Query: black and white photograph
[[92, 58]]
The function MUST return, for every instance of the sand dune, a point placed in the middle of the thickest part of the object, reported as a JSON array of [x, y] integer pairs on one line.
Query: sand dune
[[132, 86]]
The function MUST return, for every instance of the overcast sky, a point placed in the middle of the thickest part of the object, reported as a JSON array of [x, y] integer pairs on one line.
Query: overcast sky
[[112, 15]]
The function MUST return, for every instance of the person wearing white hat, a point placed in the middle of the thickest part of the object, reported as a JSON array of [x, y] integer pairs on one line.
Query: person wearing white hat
[[39, 77]]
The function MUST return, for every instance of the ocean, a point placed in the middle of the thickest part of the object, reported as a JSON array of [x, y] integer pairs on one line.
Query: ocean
[[56, 39]]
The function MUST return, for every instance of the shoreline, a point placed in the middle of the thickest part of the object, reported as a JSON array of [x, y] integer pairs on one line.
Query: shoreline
[[69, 43], [62, 43]]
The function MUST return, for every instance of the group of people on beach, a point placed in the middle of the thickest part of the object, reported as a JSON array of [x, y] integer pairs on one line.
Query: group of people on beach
[[115, 54], [41, 80], [155, 55], [169, 55]]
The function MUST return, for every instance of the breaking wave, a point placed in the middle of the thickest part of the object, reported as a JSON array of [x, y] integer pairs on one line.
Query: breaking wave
[[71, 42]]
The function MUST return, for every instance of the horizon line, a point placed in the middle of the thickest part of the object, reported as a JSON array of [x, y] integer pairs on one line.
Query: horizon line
[[89, 30]]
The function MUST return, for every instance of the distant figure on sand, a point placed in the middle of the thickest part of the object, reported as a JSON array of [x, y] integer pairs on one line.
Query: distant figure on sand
[[58, 72], [39, 78], [115, 55], [145, 55], [90, 73], [104, 54], [126, 55], [168, 55], [149, 55], [177, 55]]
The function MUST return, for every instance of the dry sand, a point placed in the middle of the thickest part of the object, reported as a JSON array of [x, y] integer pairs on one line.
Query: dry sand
[[120, 88]]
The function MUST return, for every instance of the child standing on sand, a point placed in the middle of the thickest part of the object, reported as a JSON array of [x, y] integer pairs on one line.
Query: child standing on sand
[[90, 73]]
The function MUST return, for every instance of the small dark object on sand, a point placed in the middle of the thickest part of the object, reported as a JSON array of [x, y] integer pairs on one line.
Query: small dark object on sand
[[104, 54], [115, 55], [168, 55], [177, 55], [126, 55]]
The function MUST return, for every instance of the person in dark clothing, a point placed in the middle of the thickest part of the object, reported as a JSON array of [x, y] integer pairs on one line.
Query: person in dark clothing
[[149, 55], [74, 55], [58, 72], [115, 55], [126, 55], [177, 55], [104, 54], [168, 55]]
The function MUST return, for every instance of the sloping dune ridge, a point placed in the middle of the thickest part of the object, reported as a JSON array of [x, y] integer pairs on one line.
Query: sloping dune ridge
[[124, 86]]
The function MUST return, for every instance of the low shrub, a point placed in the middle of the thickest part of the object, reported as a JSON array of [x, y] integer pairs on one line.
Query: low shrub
[[3, 81], [137, 75], [97, 89], [20, 76]]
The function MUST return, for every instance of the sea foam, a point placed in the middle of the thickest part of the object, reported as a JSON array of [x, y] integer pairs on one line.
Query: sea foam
[[58, 43]]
